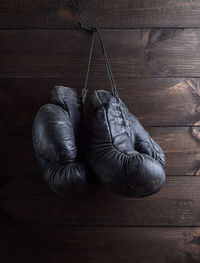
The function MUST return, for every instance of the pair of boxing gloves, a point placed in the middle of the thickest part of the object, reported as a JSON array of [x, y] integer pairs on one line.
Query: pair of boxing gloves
[[105, 141]]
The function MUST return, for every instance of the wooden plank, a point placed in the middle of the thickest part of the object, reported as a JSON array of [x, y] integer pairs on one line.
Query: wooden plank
[[155, 101], [107, 14], [180, 146], [29, 201], [91, 244], [132, 53]]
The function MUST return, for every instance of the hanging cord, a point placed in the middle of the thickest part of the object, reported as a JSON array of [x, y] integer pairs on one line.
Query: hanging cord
[[85, 90], [108, 68], [93, 31], [110, 75]]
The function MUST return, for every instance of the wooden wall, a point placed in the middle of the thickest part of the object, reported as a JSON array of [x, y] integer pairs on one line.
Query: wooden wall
[[154, 51]]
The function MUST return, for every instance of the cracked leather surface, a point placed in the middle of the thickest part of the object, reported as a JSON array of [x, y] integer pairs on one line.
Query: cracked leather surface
[[120, 151], [57, 133]]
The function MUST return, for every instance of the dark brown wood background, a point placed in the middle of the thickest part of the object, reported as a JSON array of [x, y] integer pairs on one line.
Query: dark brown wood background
[[154, 51]]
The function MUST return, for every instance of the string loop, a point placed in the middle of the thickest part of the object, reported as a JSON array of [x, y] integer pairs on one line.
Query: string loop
[[108, 68]]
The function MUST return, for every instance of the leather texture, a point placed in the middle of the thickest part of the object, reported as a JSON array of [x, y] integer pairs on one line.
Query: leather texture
[[58, 141], [120, 151]]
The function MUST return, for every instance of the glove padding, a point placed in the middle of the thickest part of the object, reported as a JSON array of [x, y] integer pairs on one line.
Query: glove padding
[[57, 130], [120, 151]]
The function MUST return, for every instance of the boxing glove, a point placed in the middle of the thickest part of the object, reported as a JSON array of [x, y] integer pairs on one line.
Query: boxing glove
[[57, 133], [120, 151]]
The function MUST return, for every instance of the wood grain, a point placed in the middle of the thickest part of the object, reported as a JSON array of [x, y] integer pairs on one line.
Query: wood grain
[[156, 63], [132, 53], [107, 14], [91, 244], [155, 101], [180, 146], [28, 201]]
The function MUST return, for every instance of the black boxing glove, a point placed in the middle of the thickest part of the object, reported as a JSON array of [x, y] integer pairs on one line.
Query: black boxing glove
[[57, 133], [120, 151]]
